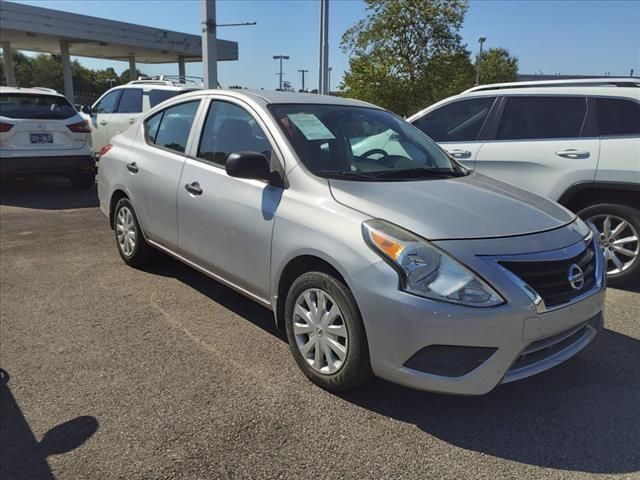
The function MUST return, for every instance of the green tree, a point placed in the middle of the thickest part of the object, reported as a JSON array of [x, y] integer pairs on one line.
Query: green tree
[[23, 70], [125, 77], [407, 54], [497, 65]]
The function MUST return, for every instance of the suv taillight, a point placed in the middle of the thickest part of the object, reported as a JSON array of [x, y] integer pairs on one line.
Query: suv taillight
[[80, 127], [5, 127], [105, 149]]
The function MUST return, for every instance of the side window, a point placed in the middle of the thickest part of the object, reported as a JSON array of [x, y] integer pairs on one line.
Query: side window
[[456, 122], [174, 125], [159, 96], [108, 103], [230, 129], [131, 101], [542, 117], [151, 126], [618, 117]]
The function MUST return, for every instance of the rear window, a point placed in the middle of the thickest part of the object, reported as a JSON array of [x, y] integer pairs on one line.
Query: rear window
[[542, 117], [618, 117], [159, 96], [26, 106], [131, 101]]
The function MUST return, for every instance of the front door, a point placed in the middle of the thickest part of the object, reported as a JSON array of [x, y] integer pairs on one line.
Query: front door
[[457, 125], [225, 223], [128, 111], [101, 117]]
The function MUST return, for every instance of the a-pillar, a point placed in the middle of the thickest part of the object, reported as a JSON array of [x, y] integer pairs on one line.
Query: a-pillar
[[181, 70], [66, 71], [9, 70], [133, 73]]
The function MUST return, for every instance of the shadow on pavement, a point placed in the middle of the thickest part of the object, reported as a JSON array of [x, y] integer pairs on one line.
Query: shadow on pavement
[[21, 455], [46, 193], [583, 415]]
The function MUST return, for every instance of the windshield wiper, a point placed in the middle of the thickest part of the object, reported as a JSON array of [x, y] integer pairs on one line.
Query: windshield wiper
[[419, 173], [344, 175]]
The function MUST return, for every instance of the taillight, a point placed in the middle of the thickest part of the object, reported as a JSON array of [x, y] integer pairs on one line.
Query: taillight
[[80, 127], [5, 127], [105, 149]]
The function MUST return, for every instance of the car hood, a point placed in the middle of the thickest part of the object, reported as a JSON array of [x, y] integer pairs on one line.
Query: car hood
[[474, 206]]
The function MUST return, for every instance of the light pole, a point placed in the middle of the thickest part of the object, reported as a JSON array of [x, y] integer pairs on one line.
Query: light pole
[[303, 72], [323, 68], [481, 40], [329, 80], [280, 57]]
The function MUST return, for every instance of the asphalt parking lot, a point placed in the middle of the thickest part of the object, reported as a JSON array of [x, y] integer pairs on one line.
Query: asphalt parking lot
[[111, 372]]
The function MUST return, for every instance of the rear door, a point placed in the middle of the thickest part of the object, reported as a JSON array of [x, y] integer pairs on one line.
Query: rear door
[[457, 126], [101, 113], [128, 111], [541, 143], [154, 166], [39, 124]]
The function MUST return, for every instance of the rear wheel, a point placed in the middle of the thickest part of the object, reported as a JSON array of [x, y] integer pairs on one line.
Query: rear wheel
[[83, 179], [325, 332], [618, 230], [132, 246]]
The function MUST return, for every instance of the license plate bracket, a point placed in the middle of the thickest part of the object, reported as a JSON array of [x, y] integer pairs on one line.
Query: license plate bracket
[[41, 138]]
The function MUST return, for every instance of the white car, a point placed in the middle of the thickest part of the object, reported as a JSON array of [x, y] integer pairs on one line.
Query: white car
[[575, 142], [118, 108], [41, 133]]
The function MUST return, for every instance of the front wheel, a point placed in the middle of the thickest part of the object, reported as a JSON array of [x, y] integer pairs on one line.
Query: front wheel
[[325, 332], [617, 228]]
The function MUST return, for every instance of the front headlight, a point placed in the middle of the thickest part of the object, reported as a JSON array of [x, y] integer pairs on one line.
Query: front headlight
[[425, 270]]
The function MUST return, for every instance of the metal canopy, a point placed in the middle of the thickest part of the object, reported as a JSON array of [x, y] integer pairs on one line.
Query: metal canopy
[[41, 30]]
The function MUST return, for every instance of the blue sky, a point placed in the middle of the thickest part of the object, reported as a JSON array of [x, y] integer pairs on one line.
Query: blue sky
[[570, 37]]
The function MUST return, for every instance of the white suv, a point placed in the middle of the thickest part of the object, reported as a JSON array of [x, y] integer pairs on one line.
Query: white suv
[[41, 133], [575, 142], [119, 107]]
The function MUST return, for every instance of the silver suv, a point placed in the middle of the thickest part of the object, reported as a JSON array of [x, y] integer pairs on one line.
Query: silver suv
[[576, 142], [410, 267]]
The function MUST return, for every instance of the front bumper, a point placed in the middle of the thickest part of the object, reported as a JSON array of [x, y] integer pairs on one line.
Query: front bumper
[[520, 340], [52, 165]]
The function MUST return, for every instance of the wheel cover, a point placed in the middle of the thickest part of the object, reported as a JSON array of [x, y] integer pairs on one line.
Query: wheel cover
[[126, 231], [619, 242], [320, 331]]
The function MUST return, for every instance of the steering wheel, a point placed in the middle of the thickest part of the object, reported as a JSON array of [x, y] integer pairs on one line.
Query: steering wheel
[[374, 151]]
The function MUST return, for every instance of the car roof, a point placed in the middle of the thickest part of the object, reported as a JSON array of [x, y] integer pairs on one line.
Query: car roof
[[31, 91], [567, 82], [269, 97], [598, 91]]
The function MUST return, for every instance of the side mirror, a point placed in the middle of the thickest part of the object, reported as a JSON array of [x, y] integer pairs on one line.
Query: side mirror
[[86, 109], [248, 165]]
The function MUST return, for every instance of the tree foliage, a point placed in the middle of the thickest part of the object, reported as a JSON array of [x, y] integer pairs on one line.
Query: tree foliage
[[407, 54], [497, 65]]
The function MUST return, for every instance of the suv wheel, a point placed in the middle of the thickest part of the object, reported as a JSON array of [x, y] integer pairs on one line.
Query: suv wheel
[[618, 231], [133, 248], [325, 332], [83, 179]]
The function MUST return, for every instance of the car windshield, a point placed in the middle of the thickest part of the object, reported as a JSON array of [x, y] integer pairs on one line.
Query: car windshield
[[360, 143], [28, 106]]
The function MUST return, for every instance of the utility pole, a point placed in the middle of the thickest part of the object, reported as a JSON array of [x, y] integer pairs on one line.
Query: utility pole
[[303, 72], [209, 44], [329, 80], [324, 48], [481, 40], [280, 74]]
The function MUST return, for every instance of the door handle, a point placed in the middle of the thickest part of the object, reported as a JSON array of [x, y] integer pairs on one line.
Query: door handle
[[132, 121], [459, 153], [103, 122], [573, 153], [132, 167], [193, 188]]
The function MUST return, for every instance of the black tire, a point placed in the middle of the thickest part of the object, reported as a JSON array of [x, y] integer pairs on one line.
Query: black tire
[[142, 253], [356, 368], [83, 180], [630, 277]]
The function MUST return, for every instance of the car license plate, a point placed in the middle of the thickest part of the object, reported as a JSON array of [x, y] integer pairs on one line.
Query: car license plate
[[41, 138]]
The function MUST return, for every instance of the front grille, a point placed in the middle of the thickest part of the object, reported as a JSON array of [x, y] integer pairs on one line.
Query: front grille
[[550, 278]]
